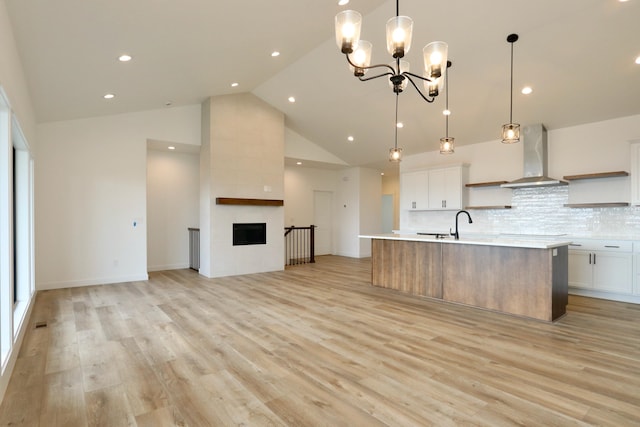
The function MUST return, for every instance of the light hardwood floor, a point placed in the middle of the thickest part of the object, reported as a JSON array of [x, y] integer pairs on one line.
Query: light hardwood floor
[[315, 345]]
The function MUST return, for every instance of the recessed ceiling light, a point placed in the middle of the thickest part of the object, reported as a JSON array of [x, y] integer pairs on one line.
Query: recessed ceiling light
[[638, 60], [171, 147], [275, 53], [343, 2], [350, 138], [109, 96], [527, 90], [400, 125], [292, 99], [382, 173], [298, 163], [446, 112], [124, 58], [234, 84]]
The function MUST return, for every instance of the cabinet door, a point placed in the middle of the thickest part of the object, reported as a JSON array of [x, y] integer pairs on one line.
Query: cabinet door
[[613, 272], [635, 173], [413, 190], [445, 189], [437, 191], [580, 269]]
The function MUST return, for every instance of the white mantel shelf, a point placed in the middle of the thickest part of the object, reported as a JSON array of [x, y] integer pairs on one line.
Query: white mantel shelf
[[248, 202]]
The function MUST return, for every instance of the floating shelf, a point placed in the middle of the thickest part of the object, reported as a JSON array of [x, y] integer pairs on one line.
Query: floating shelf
[[596, 175], [489, 207], [248, 202], [486, 184], [596, 205]]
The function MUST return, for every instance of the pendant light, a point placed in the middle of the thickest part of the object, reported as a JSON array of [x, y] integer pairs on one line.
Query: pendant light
[[395, 153], [511, 131], [446, 143]]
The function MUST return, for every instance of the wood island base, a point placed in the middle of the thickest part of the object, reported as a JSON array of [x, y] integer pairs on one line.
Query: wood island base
[[528, 282]]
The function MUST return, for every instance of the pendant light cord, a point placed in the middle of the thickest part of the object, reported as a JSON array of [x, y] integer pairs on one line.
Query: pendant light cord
[[446, 97], [511, 91], [396, 124]]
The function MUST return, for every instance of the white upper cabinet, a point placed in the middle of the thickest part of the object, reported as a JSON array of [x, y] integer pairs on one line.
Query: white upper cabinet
[[446, 188], [434, 189], [635, 173], [413, 190]]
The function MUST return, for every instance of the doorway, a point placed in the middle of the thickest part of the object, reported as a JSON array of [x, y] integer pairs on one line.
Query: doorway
[[387, 213], [323, 220]]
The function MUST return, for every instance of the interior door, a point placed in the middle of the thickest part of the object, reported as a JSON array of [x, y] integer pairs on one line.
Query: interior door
[[323, 220]]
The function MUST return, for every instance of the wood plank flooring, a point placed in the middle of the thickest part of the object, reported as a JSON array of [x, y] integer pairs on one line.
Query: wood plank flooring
[[315, 345]]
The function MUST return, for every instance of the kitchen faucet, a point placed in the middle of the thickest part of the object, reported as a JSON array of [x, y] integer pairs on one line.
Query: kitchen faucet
[[456, 235]]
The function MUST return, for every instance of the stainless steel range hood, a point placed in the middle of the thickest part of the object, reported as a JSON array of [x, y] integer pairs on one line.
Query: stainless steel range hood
[[534, 146]]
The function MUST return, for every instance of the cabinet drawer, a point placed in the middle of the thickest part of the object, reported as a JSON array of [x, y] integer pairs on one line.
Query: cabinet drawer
[[602, 245]]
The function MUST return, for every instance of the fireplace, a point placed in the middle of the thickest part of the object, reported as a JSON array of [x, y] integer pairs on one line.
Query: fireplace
[[249, 233]]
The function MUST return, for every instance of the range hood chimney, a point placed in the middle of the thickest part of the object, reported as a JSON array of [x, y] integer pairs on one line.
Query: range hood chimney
[[534, 146]]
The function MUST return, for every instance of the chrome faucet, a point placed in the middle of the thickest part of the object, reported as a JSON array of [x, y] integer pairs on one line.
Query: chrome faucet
[[456, 235]]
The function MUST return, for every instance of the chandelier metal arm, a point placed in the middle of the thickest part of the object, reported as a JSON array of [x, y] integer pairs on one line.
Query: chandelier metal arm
[[364, 79], [408, 76], [426, 79], [393, 71]]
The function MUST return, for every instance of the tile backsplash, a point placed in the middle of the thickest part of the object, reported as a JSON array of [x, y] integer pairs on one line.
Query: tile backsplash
[[534, 211]]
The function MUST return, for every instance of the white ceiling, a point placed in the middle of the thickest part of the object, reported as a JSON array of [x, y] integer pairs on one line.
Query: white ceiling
[[578, 55]]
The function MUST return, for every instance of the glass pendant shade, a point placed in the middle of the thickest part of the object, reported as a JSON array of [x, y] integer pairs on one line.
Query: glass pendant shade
[[434, 87], [404, 67], [399, 29], [435, 59], [446, 145], [348, 23], [510, 133], [395, 154], [361, 56]]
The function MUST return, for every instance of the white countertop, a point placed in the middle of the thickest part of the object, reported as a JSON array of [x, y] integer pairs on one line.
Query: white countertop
[[528, 242]]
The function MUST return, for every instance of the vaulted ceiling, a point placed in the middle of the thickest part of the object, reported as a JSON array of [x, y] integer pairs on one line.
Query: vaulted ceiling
[[578, 55]]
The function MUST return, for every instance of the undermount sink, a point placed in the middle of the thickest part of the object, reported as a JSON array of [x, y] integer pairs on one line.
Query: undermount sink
[[436, 235]]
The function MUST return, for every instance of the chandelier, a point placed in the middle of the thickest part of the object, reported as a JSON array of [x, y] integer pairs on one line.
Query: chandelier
[[399, 29]]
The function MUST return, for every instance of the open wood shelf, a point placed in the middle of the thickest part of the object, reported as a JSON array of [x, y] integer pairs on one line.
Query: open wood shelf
[[596, 205], [596, 175], [489, 207], [485, 184], [248, 202]]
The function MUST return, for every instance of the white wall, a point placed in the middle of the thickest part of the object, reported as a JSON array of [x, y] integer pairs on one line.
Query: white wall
[[589, 148], [370, 195], [173, 187], [91, 188], [14, 86]]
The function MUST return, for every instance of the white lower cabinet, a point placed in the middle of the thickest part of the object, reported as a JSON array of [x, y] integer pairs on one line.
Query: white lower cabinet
[[601, 265]]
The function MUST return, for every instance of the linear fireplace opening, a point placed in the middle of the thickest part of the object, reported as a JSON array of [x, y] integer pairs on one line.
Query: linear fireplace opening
[[249, 233]]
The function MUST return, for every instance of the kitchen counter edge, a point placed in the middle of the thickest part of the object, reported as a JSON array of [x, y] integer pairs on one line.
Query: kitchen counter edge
[[489, 241]]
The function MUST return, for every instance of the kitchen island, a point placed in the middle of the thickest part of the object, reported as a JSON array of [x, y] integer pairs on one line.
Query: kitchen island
[[522, 277]]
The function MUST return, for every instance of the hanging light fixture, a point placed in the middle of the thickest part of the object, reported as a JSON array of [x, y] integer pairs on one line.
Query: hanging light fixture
[[395, 153], [446, 143], [511, 131], [399, 28]]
